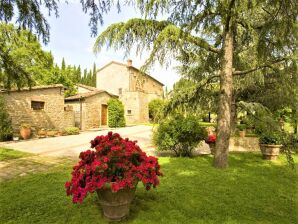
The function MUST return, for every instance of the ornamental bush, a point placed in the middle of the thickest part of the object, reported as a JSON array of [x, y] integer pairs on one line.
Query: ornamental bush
[[112, 161], [116, 113], [156, 107], [271, 138], [71, 131], [6, 131], [179, 134]]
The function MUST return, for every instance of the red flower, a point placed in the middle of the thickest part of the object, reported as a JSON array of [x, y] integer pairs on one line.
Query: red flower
[[119, 162], [211, 138]]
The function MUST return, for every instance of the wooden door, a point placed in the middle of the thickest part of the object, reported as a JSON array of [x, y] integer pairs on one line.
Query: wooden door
[[104, 114]]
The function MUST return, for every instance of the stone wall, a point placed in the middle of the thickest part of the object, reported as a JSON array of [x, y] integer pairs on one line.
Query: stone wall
[[69, 118], [145, 83], [91, 110], [113, 77], [76, 110], [244, 144], [19, 107]]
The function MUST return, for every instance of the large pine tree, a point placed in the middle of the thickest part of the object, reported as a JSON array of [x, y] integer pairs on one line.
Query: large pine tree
[[228, 38]]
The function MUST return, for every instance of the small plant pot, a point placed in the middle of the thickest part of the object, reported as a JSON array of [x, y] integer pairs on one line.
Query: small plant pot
[[242, 134], [25, 132], [270, 152], [51, 133], [42, 134], [115, 205], [59, 133]]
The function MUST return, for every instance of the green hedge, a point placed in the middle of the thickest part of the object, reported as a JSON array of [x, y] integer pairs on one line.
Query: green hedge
[[116, 113], [6, 131]]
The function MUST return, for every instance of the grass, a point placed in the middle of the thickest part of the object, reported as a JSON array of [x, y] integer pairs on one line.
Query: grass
[[8, 154], [207, 124], [192, 191]]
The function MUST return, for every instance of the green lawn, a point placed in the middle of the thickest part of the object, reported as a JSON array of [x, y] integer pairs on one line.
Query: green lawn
[[191, 191], [7, 154]]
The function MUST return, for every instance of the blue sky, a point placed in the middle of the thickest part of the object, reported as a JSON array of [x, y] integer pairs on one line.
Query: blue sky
[[71, 39]]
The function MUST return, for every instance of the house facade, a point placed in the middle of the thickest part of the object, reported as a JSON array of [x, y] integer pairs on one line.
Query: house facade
[[134, 88], [41, 107], [90, 107]]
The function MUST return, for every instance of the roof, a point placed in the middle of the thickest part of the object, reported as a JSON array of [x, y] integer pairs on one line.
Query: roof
[[122, 64], [88, 94], [91, 88], [35, 88]]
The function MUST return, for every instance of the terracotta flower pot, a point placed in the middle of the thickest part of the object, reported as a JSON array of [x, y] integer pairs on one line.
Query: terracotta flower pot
[[51, 133], [115, 205], [25, 132], [270, 152], [242, 134]]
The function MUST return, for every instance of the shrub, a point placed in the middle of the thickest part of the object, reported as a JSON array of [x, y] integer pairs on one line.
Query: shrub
[[270, 139], [25, 125], [156, 107], [241, 127], [71, 131], [116, 113], [112, 161], [6, 131], [179, 134]]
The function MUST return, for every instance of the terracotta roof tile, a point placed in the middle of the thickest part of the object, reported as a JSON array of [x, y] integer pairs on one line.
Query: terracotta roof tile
[[88, 94], [91, 88], [36, 88]]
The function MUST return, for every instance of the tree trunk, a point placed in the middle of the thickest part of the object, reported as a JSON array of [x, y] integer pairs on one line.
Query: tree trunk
[[233, 113], [224, 113], [294, 111]]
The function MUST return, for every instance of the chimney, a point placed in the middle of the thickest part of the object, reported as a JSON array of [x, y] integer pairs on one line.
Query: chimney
[[129, 62]]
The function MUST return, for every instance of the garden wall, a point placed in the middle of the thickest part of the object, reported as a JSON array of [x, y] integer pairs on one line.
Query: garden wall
[[244, 144]]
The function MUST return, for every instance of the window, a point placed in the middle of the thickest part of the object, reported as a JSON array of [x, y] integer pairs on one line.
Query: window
[[128, 111], [37, 105], [120, 91]]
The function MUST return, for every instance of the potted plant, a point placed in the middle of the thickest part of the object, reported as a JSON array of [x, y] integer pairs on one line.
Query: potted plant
[[211, 139], [242, 130], [112, 168], [25, 131], [16, 138], [59, 133], [270, 144], [51, 133], [42, 133]]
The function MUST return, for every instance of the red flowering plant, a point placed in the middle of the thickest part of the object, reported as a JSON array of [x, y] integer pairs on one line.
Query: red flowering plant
[[112, 161], [211, 139]]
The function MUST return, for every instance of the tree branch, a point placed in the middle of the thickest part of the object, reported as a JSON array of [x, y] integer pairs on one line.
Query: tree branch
[[202, 43], [267, 65]]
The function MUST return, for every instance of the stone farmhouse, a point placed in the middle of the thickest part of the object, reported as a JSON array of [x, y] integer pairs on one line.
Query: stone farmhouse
[[41, 107], [115, 80], [134, 88], [46, 107]]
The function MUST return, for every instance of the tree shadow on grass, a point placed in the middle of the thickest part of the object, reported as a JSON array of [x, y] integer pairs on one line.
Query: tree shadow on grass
[[191, 191], [251, 190]]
